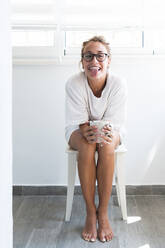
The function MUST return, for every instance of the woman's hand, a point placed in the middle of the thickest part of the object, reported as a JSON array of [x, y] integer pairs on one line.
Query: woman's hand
[[107, 135], [89, 132]]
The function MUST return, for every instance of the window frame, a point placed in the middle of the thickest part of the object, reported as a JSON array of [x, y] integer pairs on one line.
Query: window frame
[[58, 55]]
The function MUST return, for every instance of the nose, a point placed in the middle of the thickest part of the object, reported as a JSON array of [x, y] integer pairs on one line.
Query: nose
[[94, 58]]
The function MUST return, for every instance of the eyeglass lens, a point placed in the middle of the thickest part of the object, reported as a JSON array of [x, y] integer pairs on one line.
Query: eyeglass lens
[[89, 56]]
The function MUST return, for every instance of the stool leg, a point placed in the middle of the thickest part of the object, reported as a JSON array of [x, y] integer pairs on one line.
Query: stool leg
[[117, 191], [116, 181], [120, 166], [72, 160]]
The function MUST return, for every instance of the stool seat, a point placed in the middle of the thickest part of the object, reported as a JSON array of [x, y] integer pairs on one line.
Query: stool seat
[[120, 148], [119, 173]]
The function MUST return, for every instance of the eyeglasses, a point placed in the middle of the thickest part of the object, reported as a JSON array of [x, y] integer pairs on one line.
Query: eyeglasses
[[88, 57]]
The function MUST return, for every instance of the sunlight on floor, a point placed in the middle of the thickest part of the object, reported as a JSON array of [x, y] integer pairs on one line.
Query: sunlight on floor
[[145, 246], [132, 219]]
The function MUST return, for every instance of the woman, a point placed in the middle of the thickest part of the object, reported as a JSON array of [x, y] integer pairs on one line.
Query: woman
[[95, 94]]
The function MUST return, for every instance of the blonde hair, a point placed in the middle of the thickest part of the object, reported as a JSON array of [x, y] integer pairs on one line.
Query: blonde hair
[[100, 39]]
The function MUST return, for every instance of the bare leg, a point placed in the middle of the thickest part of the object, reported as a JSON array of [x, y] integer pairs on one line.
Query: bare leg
[[105, 171], [87, 175]]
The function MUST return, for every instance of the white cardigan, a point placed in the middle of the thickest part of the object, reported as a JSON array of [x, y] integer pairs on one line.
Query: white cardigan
[[81, 105]]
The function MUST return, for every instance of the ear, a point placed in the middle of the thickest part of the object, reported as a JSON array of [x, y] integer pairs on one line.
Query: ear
[[82, 66], [109, 61]]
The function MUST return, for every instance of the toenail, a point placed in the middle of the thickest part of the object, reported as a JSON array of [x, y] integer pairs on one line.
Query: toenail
[[103, 240], [93, 240]]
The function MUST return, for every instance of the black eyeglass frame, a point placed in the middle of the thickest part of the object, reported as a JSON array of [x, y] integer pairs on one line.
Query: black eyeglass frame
[[94, 55]]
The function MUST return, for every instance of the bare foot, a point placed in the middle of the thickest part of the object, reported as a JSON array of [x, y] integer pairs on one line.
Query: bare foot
[[104, 230], [90, 231]]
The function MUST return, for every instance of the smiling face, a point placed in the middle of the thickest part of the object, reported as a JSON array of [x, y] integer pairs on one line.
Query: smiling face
[[94, 69]]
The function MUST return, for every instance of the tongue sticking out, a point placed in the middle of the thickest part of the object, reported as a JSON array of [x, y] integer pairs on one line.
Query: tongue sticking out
[[94, 71]]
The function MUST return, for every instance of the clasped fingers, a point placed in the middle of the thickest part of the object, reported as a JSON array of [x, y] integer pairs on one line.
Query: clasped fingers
[[90, 135]]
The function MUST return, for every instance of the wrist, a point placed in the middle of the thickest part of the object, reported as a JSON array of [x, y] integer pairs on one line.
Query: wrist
[[82, 128]]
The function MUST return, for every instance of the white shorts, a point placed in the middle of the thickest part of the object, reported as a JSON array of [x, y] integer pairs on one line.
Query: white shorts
[[69, 130]]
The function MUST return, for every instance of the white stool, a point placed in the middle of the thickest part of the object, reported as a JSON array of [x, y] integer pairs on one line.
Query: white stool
[[119, 179]]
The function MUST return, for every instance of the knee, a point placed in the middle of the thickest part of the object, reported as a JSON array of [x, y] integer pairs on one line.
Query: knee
[[86, 149], [107, 150]]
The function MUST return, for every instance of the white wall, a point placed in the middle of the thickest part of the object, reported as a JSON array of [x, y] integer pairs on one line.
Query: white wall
[[39, 143], [5, 130]]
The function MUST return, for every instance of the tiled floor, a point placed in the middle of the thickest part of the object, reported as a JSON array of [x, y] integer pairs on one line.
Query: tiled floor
[[39, 223]]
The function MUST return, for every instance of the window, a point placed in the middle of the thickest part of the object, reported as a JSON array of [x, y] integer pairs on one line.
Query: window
[[119, 40], [34, 38], [35, 29], [56, 29]]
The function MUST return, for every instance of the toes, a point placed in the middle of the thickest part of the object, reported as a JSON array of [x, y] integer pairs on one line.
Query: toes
[[106, 237], [92, 239], [102, 239], [109, 237], [85, 236], [88, 237]]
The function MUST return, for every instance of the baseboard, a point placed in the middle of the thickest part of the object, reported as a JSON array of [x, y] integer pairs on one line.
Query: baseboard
[[62, 190]]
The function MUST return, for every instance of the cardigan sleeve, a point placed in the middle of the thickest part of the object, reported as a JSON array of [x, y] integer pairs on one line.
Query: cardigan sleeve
[[75, 104], [117, 108]]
